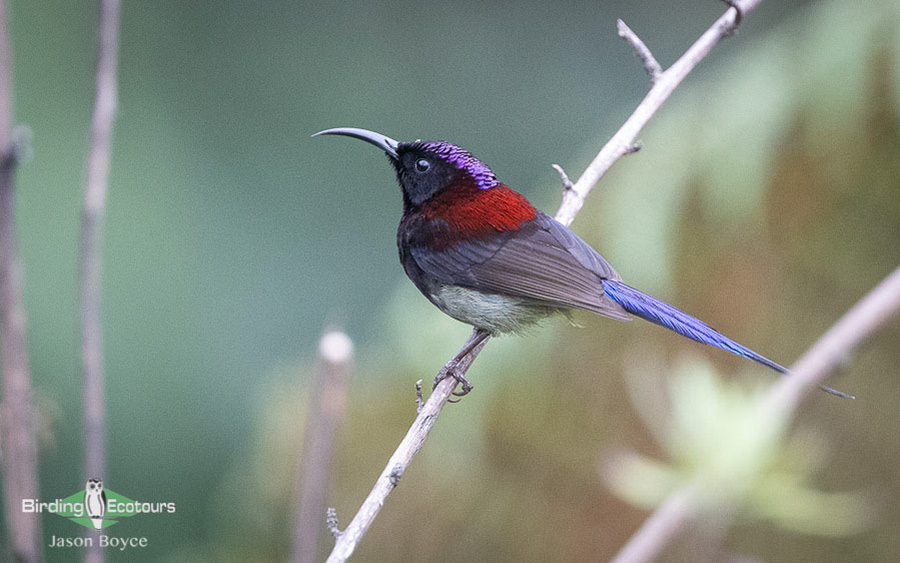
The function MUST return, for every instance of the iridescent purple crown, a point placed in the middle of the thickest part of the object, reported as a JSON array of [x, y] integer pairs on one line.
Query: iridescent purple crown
[[463, 160]]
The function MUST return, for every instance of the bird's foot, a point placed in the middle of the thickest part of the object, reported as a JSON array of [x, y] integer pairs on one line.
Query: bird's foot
[[451, 371], [739, 15]]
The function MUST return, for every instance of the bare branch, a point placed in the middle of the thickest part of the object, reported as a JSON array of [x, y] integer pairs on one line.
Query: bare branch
[[567, 184], [859, 323], [622, 143], [326, 411], [863, 320], [17, 416], [90, 254], [91, 236], [398, 462], [651, 65]]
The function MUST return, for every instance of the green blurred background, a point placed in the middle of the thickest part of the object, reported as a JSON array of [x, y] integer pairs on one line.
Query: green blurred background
[[766, 201]]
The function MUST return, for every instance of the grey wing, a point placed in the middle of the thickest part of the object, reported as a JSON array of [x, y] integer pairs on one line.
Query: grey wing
[[543, 261]]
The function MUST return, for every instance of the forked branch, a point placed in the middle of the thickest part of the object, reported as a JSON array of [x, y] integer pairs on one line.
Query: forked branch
[[622, 143]]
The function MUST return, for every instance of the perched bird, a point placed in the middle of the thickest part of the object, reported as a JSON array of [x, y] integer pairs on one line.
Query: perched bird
[[95, 502], [481, 253]]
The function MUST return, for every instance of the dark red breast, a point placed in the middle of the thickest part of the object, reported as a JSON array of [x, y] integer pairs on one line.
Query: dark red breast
[[469, 211]]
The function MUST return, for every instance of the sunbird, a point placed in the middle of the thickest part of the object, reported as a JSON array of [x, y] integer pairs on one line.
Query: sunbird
[[481, 253]]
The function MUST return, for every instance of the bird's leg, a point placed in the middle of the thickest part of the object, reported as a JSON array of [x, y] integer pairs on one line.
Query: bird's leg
[[450, 369]]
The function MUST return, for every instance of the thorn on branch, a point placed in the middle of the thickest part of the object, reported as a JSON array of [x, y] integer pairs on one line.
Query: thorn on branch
[[331, 522], [567, 184], [419, 401], [738, 16], [651, 65]]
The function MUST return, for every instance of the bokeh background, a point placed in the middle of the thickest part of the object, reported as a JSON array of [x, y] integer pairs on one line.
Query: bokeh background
[[766, 201]]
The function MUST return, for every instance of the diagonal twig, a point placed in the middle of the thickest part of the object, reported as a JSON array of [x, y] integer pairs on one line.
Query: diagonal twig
[[563, 177], [397, 464], [622, 143], [863, 320], [651, 65]]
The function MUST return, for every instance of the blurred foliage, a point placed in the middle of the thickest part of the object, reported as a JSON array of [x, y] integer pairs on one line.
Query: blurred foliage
[[724, 437], [766, 201]]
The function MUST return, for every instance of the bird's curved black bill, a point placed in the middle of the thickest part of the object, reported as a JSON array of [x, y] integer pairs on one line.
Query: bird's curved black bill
[[383, 142]]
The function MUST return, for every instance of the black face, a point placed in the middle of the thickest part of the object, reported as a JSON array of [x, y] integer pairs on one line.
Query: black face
[[422, 173]]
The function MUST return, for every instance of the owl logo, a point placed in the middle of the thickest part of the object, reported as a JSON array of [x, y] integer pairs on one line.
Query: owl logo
[[95, 502]]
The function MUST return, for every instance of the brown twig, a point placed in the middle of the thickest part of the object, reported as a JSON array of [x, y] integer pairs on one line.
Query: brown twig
[[622, 143], [326, 411], [17, 415], [863, 320], [90, 254]]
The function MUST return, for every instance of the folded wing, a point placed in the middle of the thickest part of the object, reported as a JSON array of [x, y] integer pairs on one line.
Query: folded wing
[[543, 261]]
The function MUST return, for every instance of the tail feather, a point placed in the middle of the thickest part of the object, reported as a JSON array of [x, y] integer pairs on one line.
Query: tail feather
[[659, 312]]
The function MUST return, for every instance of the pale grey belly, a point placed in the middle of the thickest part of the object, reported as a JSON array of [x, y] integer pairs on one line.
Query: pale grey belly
[[496, 313]]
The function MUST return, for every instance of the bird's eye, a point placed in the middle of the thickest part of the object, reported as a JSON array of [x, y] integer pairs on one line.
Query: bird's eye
[[422, 165]]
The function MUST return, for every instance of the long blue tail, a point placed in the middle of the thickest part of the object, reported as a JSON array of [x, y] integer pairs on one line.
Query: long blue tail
[[659, 312]]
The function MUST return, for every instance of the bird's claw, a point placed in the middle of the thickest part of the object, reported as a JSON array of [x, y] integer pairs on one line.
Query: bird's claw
[[451, 371], [739, 15], [466, 387]]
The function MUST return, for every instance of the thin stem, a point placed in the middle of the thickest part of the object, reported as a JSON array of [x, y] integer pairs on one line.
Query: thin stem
[[563, 177], [17, 415], [326, 410], [91, 246], [348, 540], [863, 320], [651, 65], [624, 140]]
